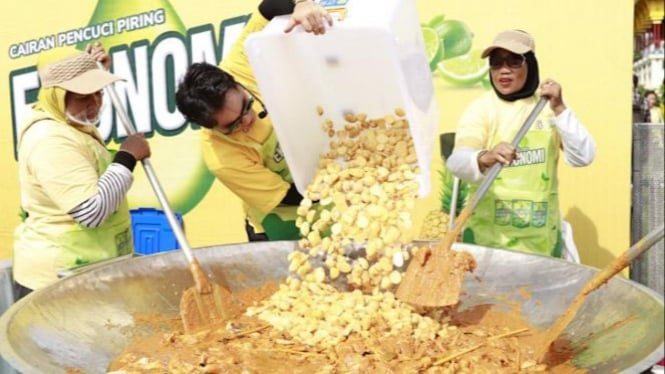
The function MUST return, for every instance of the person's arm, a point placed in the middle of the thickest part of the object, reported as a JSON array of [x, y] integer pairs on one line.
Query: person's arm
[[242, 171], [470, 142], [113, 185], [292, 197], [307, 13], [255, 184], [272, 8], [463, 162], [579, 148], [112, 188]]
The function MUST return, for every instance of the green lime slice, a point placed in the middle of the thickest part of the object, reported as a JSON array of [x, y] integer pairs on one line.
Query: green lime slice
[[455, 35], [465, 70], [433, 47]]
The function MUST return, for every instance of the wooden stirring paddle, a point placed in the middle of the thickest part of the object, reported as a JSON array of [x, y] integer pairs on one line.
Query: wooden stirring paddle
[[206, 302], [434, 277], [601, 277]]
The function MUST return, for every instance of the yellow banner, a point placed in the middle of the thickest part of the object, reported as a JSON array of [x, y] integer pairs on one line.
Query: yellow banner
[[585, 46]]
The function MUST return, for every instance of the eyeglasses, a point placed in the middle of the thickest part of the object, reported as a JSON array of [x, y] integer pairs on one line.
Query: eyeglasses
[[514, 61], [247, 103]]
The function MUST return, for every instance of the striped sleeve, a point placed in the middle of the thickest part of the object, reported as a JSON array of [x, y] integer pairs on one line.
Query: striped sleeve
[[112, 188]]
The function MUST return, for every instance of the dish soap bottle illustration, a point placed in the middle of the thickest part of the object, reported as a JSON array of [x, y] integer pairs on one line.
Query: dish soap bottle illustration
[[151, 69]]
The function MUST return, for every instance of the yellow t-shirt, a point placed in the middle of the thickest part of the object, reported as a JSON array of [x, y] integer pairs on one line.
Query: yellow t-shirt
[[59, 167], [236, 160]]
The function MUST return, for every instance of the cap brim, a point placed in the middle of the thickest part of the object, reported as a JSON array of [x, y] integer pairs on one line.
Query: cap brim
[[514, 47], [89, 82]]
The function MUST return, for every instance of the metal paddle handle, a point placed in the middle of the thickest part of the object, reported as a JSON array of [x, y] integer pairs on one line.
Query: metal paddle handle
[[150, 172], [496, 168]]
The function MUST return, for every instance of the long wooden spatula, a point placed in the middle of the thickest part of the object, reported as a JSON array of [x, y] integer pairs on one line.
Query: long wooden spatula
[[434, 276]]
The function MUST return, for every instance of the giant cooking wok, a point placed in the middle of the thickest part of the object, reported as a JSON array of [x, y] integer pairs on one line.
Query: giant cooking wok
[[85, 320]]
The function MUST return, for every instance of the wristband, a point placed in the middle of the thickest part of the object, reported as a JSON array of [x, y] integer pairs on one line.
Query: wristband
[[125, 158]]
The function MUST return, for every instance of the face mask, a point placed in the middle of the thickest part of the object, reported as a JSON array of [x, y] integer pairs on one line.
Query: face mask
[[82, 118]]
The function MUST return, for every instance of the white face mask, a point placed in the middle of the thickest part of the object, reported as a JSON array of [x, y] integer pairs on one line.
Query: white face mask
[[83, 103], [82, 118]]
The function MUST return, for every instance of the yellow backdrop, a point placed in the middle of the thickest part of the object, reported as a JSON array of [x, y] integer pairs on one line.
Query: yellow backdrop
[[585, 46]]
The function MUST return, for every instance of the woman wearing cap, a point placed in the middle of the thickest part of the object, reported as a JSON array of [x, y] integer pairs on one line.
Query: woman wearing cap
[[521, 209], [72, 189]]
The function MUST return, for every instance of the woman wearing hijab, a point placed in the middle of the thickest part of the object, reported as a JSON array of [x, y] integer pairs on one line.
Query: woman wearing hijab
[[73, 190], [521, 208]]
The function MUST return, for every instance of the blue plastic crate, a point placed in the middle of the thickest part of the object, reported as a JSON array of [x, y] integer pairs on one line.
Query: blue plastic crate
[[152, 232]]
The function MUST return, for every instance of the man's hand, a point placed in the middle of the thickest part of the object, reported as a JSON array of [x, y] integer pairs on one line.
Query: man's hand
[[311, 16]]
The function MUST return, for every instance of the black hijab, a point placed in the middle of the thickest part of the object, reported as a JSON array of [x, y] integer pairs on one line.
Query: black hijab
[[531, 84]]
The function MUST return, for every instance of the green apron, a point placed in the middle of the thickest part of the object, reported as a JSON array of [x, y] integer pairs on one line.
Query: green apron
[[111, 239], [280, 223], [521, 208]]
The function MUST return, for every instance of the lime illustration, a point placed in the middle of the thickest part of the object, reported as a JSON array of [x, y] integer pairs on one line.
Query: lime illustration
[[455, 36], [465, 70], [436, 22], [433, 46]]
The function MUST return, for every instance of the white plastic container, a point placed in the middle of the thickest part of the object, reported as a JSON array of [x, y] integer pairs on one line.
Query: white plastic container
[[373, 61]]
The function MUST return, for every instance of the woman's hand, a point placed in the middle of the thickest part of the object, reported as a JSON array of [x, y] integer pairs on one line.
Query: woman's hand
[[311, 16], [552, 91], [502, 152], [137, 145], [99, 54]]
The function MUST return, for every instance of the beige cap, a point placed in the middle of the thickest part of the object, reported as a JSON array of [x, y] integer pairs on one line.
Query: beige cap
[[516, 41], [79, 74]]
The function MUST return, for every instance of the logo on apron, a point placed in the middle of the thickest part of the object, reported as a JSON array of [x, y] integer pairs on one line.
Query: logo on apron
[[278, 156]]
